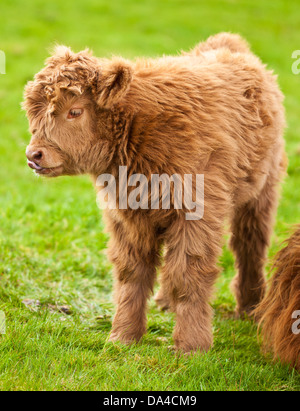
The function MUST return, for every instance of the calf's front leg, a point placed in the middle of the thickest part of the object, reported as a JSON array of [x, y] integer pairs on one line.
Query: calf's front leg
[[189, 275], [135, 258]]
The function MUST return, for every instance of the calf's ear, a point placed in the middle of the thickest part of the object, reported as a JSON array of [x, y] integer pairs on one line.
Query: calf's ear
[[114, 82]]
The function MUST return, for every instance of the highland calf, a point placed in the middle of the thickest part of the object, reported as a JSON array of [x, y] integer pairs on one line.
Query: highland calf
[[214, 111]]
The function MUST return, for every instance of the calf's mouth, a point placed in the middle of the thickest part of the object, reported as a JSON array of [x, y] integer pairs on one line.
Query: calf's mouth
[[43, 170]]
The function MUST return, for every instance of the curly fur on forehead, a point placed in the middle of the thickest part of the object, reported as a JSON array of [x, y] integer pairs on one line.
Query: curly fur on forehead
[[64, 70], [76, 72], [67, 70]]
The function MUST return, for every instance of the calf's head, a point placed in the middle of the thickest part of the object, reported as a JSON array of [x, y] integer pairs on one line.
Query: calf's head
[[68, 106]]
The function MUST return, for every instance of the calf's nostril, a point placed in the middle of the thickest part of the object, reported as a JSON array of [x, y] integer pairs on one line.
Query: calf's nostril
[[37, 155]]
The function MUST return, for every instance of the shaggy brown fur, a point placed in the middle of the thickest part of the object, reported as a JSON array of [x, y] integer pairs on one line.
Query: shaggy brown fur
[[276, 312], [216, 111]]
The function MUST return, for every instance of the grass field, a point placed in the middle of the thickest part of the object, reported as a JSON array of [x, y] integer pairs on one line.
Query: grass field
[[52, 246]]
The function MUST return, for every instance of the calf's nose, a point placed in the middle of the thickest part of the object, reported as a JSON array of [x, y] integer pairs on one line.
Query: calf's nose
[[34, 155]]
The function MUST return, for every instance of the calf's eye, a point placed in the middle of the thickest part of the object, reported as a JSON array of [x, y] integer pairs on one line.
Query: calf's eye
[[74, 113]]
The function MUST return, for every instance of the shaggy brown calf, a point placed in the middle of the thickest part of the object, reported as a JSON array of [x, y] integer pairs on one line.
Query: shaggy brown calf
[[214, 111], [279, 311]]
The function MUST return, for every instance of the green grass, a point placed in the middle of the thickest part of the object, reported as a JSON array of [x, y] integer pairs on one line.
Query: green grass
[[52, 246]]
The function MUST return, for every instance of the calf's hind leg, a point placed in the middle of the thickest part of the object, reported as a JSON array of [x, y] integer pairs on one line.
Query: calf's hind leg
[[162, 299], [251, 232]]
